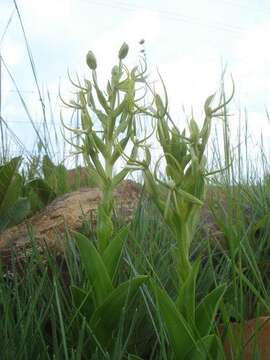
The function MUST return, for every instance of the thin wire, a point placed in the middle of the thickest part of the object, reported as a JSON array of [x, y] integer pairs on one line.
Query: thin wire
[[244, 6], [1, 41], [6, 27], [35, 122], [22, 99], [16, 139], [176, 16], [31, 59]]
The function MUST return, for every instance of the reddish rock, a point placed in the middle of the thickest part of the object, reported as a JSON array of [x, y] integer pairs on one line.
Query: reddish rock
[[253, 336], [71, 210], [78, 177], [67, 212]]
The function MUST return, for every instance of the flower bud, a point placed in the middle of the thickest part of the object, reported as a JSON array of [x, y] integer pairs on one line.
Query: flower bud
[[123, 51], [91, 60]]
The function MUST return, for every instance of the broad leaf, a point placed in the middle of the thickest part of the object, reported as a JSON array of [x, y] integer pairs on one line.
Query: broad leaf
[[10, 184], [185, 301], [107, 316], [43, 190], [207, 348], [180, 335], [207, 309], [48, 166], [112, 253], [95, 268], [15, 214], [83, 300]]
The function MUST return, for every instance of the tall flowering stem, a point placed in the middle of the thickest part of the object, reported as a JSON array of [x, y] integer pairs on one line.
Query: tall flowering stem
[[180, 196], [107, 128]]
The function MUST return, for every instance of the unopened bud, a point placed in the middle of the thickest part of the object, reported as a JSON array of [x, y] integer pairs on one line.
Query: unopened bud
[[123, 51], [91, 60]]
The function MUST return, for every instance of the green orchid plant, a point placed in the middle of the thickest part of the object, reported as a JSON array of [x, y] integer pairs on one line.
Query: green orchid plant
[[107, 128], [179, 198], [13, 206]]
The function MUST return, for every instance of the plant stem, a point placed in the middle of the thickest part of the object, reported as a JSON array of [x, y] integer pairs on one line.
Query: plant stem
[[184, 265]]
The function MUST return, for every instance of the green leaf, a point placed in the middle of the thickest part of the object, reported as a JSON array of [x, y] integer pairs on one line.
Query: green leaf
[[44, 192], [83, 300], [48, 166], [13, 193], [120, 176], [95, 268], [207, 348], [99, 144], [54, 176], [134, 357], [61, 174], [102, 100], [121, 107], [112, 253], [207, 309], [106, 318], [194, 129], [124, 85], [10, 184], [207, 103], [119, 148], [15, 214], [86, 120], [190, 198], [180, 334], [13, 209], [185, 301], [159, 105]]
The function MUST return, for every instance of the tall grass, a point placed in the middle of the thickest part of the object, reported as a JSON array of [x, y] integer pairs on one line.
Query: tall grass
[[37, 309]]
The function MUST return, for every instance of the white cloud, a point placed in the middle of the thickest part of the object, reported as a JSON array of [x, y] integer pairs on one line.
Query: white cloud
[[252, 49], [189, 83], [107, 45], [252, 65], [12, 53], [44, 17], [61, 32]]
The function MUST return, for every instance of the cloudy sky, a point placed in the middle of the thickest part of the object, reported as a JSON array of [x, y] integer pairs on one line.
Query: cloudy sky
[[188, 41]]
